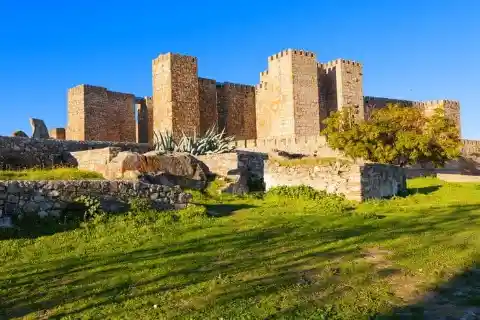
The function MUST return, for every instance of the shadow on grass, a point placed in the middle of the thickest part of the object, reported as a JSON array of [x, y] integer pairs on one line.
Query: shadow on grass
[[423, 190], [223, 210], [458, 298], [220, 272]]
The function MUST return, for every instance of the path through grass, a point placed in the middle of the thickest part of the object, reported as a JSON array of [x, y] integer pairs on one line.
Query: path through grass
[[272, 258]]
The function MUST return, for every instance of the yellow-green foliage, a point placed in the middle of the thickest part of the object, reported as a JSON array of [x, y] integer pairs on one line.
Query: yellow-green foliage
[[394, 135], [49, 174]]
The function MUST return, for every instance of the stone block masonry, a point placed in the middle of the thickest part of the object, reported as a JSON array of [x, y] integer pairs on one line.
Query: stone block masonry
[[97, 114], [355, 182], [58, 133], [236, 110], [144, 123], [207, 90], [51, 198], [18, 152], [176, 95]]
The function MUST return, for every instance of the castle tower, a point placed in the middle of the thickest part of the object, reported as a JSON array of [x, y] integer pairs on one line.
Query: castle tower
[[176, 105], [144, 130], [340, 84], [97, 114], [287, 98]]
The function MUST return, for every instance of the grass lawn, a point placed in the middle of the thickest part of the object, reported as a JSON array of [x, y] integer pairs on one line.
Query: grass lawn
[[51, 174], [255, 258]]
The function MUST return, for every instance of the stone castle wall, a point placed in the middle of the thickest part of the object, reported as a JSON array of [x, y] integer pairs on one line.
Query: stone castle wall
[[207, 90], [236, 110], [52, 198], [144, 124], [294, 95], [97, 114], [176, 95], [58, 133], [274, 98]]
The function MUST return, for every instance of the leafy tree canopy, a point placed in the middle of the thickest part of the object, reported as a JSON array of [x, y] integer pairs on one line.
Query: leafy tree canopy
[[394, 135]]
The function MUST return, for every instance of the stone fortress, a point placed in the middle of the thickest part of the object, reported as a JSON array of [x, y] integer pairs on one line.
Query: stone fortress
[[295, 93]]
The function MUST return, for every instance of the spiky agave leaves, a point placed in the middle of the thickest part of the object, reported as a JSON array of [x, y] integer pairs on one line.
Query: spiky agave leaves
[[210, 143]]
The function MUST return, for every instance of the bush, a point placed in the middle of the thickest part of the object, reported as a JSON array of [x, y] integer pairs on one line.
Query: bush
[[328, 202]]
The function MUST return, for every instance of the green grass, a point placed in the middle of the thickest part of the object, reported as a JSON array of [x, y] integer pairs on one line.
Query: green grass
[[273, 257], [49, 174]]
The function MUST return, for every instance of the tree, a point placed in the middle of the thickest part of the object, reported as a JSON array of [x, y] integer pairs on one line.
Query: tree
[[394, 135]]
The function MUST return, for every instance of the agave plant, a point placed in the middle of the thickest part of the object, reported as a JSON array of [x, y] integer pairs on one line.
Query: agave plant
[[163, 142], [209, 143]]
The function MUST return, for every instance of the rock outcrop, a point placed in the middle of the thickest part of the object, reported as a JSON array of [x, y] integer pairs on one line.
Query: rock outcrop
[[39, 129]]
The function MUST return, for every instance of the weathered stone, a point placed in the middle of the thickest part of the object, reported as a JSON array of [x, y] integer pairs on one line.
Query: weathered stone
[[53, 197], [39, 129], [239, 182]]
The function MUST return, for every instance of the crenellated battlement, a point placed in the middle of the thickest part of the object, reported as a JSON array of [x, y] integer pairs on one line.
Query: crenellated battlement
[[206, 81], [335, 63], [170, 55], [287, 52], [244, 87]]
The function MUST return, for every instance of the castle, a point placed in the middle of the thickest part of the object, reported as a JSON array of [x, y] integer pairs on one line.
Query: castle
[[295, 93]]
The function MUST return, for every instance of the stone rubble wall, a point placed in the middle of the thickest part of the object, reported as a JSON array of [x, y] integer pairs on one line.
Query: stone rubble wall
[[18, 152], [51, 198], [356, 182]]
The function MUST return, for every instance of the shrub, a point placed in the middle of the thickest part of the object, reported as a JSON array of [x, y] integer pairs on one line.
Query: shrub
[[394, 135], [328, 202]]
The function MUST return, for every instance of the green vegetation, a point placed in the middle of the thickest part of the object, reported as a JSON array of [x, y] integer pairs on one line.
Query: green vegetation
[[294, 253], [49, 174], [395, 135], [209, 143]]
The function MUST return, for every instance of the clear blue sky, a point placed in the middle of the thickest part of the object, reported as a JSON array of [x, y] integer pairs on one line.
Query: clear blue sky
[[411, 49]]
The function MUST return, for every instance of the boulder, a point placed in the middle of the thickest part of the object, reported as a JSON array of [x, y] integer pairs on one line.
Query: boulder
[[180, 169], [125, 161], [19, 133], [39, 129]]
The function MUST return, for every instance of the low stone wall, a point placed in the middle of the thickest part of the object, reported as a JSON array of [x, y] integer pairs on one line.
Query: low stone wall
[[222, 164], [18, 152], [458, 178], [308, 145], [51, 198], [356, 182]]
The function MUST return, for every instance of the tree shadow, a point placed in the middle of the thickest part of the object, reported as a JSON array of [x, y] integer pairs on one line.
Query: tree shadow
[[223, 210], [211, 271], [423, 190], [458, 298]]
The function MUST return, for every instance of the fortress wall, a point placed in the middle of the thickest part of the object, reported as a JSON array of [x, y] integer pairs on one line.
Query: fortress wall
[[208, 103], [96, 113], [176, 94], [236, 110], [274, 98], [305, 93]]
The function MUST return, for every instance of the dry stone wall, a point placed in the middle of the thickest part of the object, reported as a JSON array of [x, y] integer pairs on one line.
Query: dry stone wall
[[52, 198], [18, 152], [355, 182]]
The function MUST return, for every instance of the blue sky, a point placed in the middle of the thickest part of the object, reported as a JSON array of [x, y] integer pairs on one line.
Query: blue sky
[[418, 50]]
